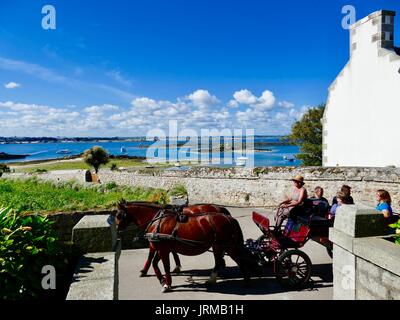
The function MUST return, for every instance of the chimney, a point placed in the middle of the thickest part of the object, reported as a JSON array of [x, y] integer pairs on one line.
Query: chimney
[[377, 29]]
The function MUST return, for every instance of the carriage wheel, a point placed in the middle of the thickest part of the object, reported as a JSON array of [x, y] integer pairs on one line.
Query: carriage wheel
[[293, 268]]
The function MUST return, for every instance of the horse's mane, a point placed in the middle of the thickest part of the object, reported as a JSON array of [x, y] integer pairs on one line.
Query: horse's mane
[[140, 203]]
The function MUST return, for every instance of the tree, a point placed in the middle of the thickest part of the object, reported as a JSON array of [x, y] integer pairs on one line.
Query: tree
[[307, 133], [3, 168], [96, 157]]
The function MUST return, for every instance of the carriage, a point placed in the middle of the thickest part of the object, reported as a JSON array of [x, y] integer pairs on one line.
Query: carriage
[[280, 244], [195, 229]]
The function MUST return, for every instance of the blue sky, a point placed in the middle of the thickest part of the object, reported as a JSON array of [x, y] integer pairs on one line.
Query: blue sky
[[124, 67]]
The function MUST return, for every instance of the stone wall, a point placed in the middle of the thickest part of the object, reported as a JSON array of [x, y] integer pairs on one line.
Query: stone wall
[[64, 222], [365, 261], [252, 187]]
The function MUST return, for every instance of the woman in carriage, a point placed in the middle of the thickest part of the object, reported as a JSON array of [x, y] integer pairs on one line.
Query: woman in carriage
[[296, 203]]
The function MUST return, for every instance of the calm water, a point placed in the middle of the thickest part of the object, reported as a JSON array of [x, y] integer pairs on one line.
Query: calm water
[[40, 151]]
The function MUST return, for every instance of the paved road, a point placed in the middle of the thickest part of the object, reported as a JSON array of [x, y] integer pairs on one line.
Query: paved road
[[190, 284]]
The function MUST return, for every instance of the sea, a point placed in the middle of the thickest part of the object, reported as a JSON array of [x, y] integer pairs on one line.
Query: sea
[[270, 155]]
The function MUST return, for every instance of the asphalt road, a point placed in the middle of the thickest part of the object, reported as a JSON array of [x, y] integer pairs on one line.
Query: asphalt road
[[191, 283]]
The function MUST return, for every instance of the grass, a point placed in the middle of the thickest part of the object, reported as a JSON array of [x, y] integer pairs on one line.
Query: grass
[[35, 196], [76, 164]]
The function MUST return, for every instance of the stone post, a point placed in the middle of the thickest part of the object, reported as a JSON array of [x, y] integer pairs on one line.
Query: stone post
[[94, 234], [358, 266]]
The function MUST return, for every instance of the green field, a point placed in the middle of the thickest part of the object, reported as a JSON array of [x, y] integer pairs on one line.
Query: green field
[[35, 196], [75, 165]]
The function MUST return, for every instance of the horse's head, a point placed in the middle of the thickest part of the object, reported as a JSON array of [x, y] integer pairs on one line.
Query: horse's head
[[120, 217], [138, 213]]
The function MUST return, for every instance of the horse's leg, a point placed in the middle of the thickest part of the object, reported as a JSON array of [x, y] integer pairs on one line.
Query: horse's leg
[[239, 258], [164, 255], [178, 265], [219, 264], [157, 270], [147, 264]]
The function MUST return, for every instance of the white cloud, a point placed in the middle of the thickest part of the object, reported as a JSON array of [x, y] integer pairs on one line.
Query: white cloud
[[233, 104], [101, 109], [286, 104], [245, 97], [51, 76], [200, 111], [266, 101], [118, 77], [12, 85], [145, 103], [202, 98]]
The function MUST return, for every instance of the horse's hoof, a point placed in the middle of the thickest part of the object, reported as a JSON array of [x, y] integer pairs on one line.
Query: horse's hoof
[[177, 269], [143, 273], [166, 288], [211, 282], [213, 279]]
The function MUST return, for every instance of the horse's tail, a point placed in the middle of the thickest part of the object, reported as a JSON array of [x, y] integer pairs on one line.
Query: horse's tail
[[247, 258]]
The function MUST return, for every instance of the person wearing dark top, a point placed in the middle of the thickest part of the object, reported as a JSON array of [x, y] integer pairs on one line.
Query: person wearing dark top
[[319, 194], [347, 194]]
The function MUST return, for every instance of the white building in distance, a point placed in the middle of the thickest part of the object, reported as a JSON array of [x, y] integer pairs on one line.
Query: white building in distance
[[361, 124]]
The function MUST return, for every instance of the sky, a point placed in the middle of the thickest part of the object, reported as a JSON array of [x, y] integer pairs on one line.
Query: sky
[[122, 68]]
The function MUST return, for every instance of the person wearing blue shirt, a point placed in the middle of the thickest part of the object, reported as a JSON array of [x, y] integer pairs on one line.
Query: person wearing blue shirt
[[384, 203]]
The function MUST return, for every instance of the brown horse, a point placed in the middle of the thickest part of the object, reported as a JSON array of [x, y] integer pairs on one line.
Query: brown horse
[[186, 211], [191, 233]]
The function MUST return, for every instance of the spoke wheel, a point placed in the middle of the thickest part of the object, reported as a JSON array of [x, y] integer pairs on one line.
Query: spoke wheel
[[293, 268]]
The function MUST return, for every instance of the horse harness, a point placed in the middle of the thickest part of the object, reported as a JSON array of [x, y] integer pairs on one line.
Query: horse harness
[[157, 236]]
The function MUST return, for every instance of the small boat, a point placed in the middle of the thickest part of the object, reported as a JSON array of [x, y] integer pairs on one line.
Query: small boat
[[288, 158], [65, 151], [123, 150], [241, 161], [6, 156]]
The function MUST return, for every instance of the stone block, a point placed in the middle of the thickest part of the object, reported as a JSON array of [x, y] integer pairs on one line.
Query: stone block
[[94, 234], [380, 252], [341, 239], [369, 268], [366, 282], [344, 263], [360, 221], [96, 277]]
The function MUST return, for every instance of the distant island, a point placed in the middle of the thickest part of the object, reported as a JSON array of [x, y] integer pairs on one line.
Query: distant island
[[33, 140]]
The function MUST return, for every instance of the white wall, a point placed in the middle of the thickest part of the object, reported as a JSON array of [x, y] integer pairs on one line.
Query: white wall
[[362, 117]]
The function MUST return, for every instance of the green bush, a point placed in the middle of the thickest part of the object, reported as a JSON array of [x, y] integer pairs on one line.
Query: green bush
[[178, 190], [396, 226], [27, 243], [36, 196], [114, 167], [4, 168], [96, 157]]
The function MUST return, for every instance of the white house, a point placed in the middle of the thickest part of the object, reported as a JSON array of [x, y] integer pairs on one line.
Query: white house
[[361, 124]]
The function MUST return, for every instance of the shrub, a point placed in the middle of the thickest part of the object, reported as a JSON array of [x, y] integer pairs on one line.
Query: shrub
[[40, 171], [96, 157], [4, 168], [396, 226], [114, 167], [27, 243], [178, 190]]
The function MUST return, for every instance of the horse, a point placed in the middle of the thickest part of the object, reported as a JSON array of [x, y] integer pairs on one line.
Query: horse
[[191, 233], [185, 210]]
